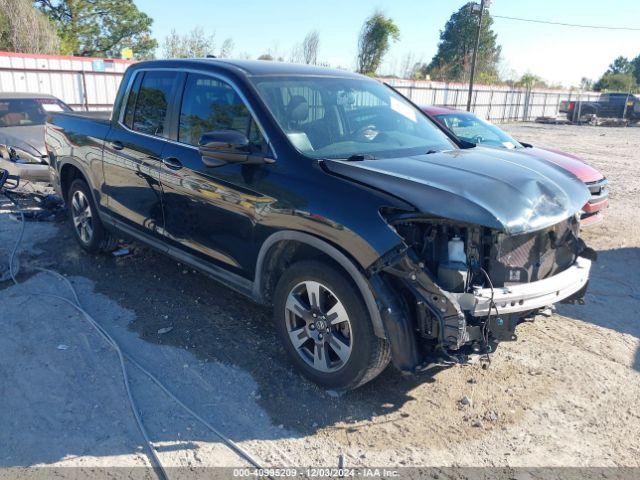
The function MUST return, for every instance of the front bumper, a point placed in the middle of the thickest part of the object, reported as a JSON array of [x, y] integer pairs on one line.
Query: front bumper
[[527, 296], [593, 209]]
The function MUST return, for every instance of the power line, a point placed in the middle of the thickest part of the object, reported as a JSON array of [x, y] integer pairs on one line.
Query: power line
[[601, 27]]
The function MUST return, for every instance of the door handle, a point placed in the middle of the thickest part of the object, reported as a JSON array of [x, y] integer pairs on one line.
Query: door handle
[[172, 162], [117, 145]]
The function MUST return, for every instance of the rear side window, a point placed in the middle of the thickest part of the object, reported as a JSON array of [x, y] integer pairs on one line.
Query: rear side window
[[152, 102], [131, 101], [209, 104]]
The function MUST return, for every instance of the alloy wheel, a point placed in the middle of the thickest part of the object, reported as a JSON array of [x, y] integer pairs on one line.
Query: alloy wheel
[[82, 216], [318, 326]]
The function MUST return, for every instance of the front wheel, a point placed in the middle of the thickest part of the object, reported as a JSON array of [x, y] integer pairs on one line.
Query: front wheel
[[325, 327]]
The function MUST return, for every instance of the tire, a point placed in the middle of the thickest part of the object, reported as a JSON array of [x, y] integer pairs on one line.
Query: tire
[[85, 222], [340, 315]]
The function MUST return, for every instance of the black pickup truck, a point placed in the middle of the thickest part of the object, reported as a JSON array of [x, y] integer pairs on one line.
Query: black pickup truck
[[609, 105], [373, 234]]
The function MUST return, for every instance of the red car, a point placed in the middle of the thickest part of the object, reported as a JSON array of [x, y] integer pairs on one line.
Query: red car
[[468, 127]]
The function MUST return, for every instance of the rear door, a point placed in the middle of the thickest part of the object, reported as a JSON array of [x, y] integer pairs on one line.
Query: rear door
[[133, 150], [211, 212]]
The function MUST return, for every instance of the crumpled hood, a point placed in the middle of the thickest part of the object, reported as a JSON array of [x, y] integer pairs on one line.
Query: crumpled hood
[[28, 137], [503, 190], [575, 165]]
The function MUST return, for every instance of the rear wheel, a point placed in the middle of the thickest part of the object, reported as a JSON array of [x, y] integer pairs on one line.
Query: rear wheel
[[87, 227], [325, 327]]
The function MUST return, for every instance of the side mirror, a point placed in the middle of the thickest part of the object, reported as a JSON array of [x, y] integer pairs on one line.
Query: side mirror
[[227, 146]]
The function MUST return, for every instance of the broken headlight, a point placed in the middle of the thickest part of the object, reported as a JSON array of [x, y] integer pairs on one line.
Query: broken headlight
[[19, 155]]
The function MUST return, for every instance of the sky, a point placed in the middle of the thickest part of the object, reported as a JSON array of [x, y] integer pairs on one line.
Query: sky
[[555, 53]]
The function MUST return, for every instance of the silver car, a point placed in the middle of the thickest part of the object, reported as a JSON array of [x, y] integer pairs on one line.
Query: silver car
[[22, 119]]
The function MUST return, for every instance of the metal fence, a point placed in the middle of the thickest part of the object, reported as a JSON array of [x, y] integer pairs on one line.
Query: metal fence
[[92, 84], [496, 104], [83, 83]]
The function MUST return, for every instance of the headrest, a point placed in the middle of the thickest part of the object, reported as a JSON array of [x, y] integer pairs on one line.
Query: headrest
[[297, 109]]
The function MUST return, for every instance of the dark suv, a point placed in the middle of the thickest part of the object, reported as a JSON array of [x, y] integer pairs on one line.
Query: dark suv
[[327, 195]]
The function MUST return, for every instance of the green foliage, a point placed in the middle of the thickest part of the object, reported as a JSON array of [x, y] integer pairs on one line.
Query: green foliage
[[616, 82], [621, 65], [100, 28], [636, 68], [529, 80], [374, 42], [24, 29], [621, 76], [452, 61]]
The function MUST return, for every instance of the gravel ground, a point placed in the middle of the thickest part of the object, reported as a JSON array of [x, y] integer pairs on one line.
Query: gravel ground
[[565, 394]]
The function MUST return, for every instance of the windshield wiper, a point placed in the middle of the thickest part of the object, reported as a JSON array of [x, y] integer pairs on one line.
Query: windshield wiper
[[358, 157], [429, 152]]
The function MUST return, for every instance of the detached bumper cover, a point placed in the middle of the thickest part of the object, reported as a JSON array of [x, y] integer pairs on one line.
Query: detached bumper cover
[[26, 171], [528, 296]]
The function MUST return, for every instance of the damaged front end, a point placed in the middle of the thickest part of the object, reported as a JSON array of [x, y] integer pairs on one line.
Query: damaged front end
[[20, 162], [455, 288]]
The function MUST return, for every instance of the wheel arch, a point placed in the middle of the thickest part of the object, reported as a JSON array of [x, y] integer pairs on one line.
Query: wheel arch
[[273, 251], [68, 173]]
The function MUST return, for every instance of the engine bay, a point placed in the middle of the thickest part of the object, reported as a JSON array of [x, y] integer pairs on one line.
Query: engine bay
[[461, 257]]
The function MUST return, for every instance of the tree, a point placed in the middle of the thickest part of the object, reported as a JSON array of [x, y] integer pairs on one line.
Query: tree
[[616, 82], [100, 28], [374, 42], [636, 68], [194, 44], [621, 65], [227, 48], [529, 80], [266, 56], [310, 46], [452, 61], [586, 83], [621, 76], [26, 30]]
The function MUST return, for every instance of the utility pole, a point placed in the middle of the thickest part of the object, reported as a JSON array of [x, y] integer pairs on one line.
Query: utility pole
[[482, 5]]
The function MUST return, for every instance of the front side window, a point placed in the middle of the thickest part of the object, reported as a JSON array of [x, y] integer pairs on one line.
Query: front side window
[[17, 112], [329, 117], [209, 104], [472, 129], [152, 102]]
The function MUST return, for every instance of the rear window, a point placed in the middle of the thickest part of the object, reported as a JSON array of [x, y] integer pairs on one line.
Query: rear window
[[18, 112]]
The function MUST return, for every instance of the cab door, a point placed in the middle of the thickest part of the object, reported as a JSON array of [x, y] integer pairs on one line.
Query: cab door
[[210, 212], [132, 158]]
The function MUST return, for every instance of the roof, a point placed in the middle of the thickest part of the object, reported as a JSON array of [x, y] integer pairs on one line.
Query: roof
[[431, 110], [254, 67], [24, 95]]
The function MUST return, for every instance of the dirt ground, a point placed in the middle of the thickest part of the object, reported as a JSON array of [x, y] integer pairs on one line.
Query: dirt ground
[[565, 394]]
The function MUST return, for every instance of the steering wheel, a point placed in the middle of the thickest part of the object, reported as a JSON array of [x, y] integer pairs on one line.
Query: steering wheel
[[478, 139], [366, 133]]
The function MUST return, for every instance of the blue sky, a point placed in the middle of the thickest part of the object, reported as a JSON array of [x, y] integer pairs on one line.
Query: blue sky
[[557, 54]]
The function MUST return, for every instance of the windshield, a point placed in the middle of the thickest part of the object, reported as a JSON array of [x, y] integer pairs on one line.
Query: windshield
[[329, 117], [18, 112], [472, 129]]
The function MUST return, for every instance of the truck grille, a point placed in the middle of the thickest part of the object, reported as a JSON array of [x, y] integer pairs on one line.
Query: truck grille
[[599, 190]]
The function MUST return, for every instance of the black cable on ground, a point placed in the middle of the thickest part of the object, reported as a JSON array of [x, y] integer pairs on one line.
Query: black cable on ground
[[155, 461]]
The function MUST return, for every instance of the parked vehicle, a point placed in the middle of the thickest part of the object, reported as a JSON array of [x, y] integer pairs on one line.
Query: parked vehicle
[[609, 105], [472, 129], [22, 119], [325, 194]]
